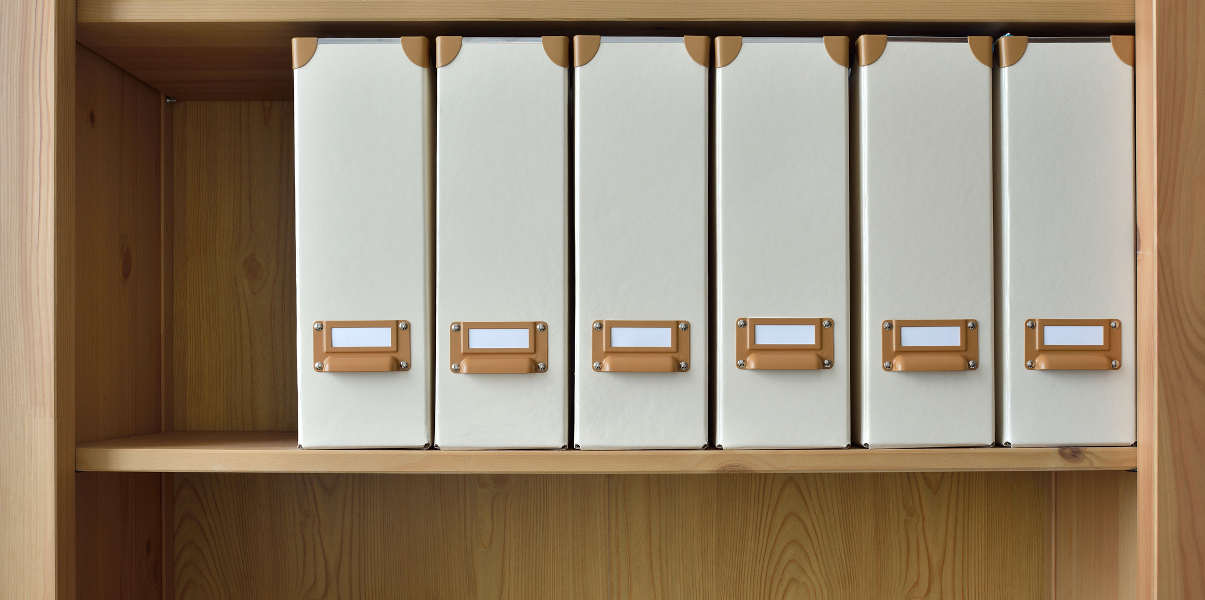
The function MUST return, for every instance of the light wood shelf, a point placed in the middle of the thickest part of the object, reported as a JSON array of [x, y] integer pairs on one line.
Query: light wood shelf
[[277, 452]]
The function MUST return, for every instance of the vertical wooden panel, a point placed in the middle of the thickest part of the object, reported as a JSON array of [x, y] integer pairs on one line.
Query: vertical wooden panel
[[1171, 184], [233, 275], [685, 536], [1095, 532], [37, 424], [117, 323]]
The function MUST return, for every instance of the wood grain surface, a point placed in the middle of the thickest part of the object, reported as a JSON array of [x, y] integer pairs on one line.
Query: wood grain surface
[[1095, 535], [233, 277], [970, 535], [1170, 127]]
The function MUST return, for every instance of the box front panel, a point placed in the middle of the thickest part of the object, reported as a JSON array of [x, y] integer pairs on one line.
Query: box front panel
[[502, 242], [1067, 223], [782, 235], [362, 123], [641, 236], [925, 179]]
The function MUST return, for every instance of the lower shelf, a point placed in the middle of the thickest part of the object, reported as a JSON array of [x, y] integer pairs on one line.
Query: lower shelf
[[277, 452]]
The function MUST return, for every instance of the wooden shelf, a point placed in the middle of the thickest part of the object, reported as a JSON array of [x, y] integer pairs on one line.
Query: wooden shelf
[[277, 452]]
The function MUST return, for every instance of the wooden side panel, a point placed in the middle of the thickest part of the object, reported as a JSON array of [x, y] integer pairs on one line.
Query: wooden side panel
[[37, 423], [233, 275], [117, 329], [1170, 124], [1095, 532], [676, 536]]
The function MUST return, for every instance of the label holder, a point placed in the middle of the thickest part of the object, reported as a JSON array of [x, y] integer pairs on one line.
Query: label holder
[[329, 358], [606, 358], [1040, 356], [751, 356], [961, 357], [466, 360]]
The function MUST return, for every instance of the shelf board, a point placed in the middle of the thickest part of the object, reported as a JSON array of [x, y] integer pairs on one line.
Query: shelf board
[[277, 452]]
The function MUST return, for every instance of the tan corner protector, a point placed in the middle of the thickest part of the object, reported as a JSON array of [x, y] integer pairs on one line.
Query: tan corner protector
[[837, 47], [1123, 45], [727, 47], [557, 49], [981, 47], [870, 48], [584, 48], [303, 50], [1012, 48], [446, 49], [416, 48], [699, 48]]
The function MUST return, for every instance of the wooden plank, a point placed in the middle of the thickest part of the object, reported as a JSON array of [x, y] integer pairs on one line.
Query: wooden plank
[[37, 422], [1095, 533], [277, 452], [1171, 416], [233, 276], [643, 536], [912, 11]]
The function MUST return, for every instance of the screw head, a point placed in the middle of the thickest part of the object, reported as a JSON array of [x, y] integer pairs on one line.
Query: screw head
[[456, 366], [597, 365], [1114, 324], [317, 366], [886, 324], [541, 366], [1115, 364], [828, 364], [741, 323], [598, 326], [826, 323], [403, 326], [972, 364], [683, 366], [455, 326], [887, 365], [682, 326], [1029, 364], [972, 325], [317, 326], [541, 327], [740, 364], [1030, 324], [404, 365]]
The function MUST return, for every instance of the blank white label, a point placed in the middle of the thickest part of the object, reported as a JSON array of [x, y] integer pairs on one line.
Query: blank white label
[[361, 337], [784, 334], [1073, 335], [931, 336], [642, 337], [499, 339]]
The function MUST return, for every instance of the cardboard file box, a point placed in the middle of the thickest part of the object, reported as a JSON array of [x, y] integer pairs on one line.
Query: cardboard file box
[[362, 142], [502, 243], [1066, 142], [924, 121], [782, 234], [641, 242]]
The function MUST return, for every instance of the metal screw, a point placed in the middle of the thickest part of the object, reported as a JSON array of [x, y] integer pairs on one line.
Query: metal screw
[[1114, 324], [1115, 364], [598, 325], [1029, 364], [597, 365], [455, 366], [317, 326], [887, 365], [541, 327], [971, 325], [741, 323], [404, 365], [683, 365], [455, 326], [317, 366], [826, 323], [972, 364], [1030, 324], [886, 324], [169, 99], [682, 326], [541, 366], [740, 364], [828, 364], [403, 326]]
